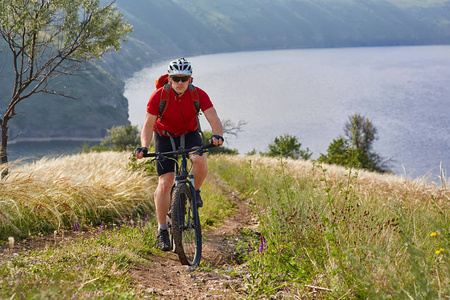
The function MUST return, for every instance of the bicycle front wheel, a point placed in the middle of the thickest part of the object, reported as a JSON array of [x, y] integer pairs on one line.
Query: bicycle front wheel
[[187, 234]]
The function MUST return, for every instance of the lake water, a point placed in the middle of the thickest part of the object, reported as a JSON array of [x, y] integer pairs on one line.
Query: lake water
[[32, 150], [310, 94]]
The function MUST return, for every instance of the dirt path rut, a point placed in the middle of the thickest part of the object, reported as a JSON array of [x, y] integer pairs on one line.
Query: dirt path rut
[[223, 278]]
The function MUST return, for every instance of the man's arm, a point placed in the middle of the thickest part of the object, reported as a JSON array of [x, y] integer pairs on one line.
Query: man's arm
[[216, 125], [147, 133]]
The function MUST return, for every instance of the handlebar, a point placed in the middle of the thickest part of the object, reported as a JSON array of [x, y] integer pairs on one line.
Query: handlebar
[[181, 151]]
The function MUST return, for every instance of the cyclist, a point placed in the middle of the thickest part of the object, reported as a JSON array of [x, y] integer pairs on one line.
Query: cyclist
[[179, 121]]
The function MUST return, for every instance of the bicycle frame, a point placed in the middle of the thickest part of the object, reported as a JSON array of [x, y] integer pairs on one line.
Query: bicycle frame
[[182, 176], [181, 172], [184, 188]]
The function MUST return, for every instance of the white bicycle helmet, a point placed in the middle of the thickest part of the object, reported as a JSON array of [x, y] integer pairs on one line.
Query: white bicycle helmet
[[179, 67]]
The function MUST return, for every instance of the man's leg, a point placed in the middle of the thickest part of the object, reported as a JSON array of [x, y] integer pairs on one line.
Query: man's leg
[[199, 169], [162, 204], [162, 196], [199, 165]]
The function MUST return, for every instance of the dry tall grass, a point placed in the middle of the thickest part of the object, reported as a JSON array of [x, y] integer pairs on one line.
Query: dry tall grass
[[366, 184], [362, 235], [50, 194]]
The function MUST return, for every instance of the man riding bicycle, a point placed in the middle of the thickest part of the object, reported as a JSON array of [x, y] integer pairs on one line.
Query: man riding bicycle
[[177, 125]]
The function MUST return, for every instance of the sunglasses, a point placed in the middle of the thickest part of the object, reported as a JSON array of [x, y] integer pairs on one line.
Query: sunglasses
[[180, 78]]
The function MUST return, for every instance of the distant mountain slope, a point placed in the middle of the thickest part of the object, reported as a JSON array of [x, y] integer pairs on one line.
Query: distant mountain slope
[[186, 27], [172, 28], [100, 106], [418, 3]]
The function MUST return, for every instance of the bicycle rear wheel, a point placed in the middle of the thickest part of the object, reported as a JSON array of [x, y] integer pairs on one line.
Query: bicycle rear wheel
[[187, 234]]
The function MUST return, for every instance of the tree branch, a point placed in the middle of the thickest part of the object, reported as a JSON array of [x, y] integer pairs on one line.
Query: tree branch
[[48, 40]]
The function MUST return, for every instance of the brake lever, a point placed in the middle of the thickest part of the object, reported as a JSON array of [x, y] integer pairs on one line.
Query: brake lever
[[200, 151], [159, 157]]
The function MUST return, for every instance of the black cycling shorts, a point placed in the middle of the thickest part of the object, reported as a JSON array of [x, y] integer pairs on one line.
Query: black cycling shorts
[[163, 144]]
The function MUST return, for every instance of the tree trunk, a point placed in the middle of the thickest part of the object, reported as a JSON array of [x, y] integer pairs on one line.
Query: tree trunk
[[3, 147]]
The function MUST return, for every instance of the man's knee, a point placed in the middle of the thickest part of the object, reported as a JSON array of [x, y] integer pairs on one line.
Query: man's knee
[[165, 183], [199, 161]]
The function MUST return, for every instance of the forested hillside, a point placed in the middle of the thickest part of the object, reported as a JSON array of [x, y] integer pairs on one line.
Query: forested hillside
[[172, 28], [187, 27]]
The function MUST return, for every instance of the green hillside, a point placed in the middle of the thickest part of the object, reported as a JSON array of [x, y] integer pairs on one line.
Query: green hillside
[[172, 28], [100, 105], [186, 27]]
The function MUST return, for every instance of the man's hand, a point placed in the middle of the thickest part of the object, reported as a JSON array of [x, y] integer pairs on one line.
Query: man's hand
[[140, 152], [216, 140]]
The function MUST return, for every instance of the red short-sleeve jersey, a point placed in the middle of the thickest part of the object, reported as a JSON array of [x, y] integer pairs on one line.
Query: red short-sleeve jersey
[[180, 115]]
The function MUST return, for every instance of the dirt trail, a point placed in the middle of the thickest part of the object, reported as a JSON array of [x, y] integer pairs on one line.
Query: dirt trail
[[166, 278]]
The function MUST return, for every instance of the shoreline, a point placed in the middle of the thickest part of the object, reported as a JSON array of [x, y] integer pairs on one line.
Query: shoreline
[[52, 139]]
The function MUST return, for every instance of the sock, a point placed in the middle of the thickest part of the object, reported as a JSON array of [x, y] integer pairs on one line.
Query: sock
[[162, 227]]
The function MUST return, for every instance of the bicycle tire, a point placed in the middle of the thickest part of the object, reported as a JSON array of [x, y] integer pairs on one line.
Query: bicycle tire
[[187, 235]]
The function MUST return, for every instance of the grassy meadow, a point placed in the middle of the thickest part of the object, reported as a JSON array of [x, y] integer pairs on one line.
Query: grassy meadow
[[78, 213], [325, 232], [336, 233], [89, 218], [72, 191]]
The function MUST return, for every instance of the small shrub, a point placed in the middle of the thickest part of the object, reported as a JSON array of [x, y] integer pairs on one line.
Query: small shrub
[[288, 146]]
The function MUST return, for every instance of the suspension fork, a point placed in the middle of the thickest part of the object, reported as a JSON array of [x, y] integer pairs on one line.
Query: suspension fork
[[193, 192]]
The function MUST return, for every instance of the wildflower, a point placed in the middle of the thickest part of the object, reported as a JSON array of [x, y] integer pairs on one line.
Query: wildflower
[[77, 226], [101, 226], [441, 250], [433, 234], [262, 245], [99, 293]]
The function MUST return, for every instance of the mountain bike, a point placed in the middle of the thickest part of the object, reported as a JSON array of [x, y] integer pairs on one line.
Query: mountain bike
[[183, 219]]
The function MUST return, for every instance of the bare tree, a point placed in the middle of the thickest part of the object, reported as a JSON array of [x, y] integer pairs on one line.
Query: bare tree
[[46, 39], [229, 127]]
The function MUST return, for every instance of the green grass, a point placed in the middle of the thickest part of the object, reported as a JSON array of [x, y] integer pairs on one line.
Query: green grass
[[217, 207], [44, 201], [91, 265], [354, 234], [350, 234]]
